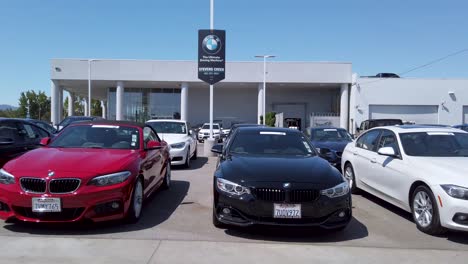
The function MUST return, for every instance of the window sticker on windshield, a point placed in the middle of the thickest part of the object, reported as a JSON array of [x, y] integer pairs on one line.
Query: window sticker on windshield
[[133, 144], [104, 126], [272, 133], [440, 134], [330, 130], [307, 146], [134, 138]]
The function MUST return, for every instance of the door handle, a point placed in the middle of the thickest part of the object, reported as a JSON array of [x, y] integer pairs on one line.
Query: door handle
[[373, 161], [355, 153]]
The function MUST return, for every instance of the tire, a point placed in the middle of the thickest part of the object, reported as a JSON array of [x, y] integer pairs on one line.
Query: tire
[[167, 178], [187, 160], [195, 154], [136, 204], [425, 211], [351, 177], [216, 222]]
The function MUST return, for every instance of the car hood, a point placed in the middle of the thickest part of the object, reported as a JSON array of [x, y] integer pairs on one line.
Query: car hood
[[71, 162], [173, 138], [333, 145], [442, 170], [258, 169]]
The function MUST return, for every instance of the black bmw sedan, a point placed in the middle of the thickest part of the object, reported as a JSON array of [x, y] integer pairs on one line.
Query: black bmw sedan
[[274, 176]]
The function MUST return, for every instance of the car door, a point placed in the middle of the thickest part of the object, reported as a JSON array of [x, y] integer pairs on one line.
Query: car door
[[153, 162], [390, 178], [365, 155], [11, 143]]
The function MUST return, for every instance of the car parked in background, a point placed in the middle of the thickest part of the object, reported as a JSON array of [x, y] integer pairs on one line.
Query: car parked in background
[[204, 132], [421, 169], [100, 171], [18, 136], [462, 127], [179, 136], [72, 119], [274, 176], [371, 123], [330, 143]]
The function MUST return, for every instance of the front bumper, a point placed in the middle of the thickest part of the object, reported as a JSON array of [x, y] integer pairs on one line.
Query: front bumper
[[449, 208], [178, 156], [202, 137], [247, 211], [88, 202]]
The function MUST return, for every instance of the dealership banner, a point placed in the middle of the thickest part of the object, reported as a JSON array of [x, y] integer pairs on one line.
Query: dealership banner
[[211, 55]]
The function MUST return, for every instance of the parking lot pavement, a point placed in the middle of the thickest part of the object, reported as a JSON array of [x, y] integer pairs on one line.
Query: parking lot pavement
[[176, 228]]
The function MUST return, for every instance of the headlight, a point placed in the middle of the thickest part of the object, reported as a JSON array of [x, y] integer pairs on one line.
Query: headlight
[[231, 188], [110, 179], [337, 191], [456, 191], [178, 145], [6, 178]]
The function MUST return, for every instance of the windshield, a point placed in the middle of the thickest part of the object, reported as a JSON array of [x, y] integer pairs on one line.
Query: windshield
[[169, 127], [435, 144], [70, 120], [271, 143], [98, 136], [208, 126], [331, 134]]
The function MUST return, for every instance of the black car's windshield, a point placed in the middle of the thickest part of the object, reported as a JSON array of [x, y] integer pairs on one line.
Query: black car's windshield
[[98, 136], [169, 127], [330, 134], [70, 120], [435, 144], [255, 142], [208, 126]]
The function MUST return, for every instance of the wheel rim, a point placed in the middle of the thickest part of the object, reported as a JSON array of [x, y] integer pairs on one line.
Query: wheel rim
[[349, 175], [188, 158], [138, 199], [423, 209], [168, 175]]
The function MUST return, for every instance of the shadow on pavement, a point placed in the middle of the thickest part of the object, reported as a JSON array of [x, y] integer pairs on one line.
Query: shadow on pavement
[[354, 230], [157, 209], [454, 236], [194, 164]]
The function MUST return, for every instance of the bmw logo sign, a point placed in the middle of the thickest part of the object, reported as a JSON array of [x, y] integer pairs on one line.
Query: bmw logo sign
[[51, 174], [211, 44]]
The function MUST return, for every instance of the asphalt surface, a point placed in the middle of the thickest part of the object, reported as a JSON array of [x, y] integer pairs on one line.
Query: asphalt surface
[[176, 227]]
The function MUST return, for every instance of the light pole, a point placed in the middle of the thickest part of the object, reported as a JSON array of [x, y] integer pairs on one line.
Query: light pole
[[211, 86], [89, 84], [265, 57]]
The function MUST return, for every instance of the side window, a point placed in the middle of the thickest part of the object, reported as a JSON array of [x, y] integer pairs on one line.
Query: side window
[[388, 139], [149, 135], [369, 140], [9, 132], [29, 133]]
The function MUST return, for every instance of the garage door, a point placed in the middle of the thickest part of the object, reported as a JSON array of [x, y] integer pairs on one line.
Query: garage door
[[292, 111], [420, 114], [465, 114]]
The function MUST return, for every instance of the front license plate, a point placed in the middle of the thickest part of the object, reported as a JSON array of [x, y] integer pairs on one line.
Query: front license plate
[[43, 205], [287, 211]]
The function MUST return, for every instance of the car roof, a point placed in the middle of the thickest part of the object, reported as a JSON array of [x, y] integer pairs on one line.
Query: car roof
[[418, 128], [269, 129], [247, 125], [110, 123], [326, 127], [166, 120]]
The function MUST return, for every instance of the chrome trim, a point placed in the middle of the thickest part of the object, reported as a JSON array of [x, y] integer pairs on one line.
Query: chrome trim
[[58, 179], [41, 179]]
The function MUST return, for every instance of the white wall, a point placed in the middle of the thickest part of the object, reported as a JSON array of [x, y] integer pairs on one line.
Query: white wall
[[410, 92]]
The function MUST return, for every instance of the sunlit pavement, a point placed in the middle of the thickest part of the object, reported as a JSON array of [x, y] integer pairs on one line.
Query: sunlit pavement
[[176, 228]]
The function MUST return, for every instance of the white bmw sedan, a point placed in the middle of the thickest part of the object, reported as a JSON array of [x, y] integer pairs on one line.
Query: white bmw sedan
[[177, 133], [421, 169]]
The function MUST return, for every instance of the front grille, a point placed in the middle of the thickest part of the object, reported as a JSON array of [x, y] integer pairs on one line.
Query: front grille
[[67, 214], [302, 196], [33, 185], [272, 195], [63, 185], [339, 153]]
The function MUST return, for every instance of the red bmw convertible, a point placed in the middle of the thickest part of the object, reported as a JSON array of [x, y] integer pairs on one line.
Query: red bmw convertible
[[98, 170]]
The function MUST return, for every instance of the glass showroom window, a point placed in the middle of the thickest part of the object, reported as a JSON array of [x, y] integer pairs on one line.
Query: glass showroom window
[[164, 103]]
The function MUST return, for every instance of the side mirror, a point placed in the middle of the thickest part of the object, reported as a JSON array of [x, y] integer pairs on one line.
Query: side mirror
[[387, 151], [44, 141], [6, 141], [218, 148], [153, 145]]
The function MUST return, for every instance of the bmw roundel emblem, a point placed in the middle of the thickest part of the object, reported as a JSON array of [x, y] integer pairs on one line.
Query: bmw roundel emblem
[[287, 185], [212, 44], [51, 173]]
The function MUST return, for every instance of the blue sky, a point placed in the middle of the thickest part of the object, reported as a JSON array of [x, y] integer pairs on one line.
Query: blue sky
[[376, 36]]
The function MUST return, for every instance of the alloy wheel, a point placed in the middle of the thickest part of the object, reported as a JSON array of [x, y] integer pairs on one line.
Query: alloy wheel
[[349, 175], [138, 199], [423, 209]]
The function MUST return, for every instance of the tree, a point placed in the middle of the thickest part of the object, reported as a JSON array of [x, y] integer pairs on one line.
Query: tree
[[270, 119], [38, 105]]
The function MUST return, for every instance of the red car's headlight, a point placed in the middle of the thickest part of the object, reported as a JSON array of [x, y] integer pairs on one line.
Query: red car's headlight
[[110, 179]]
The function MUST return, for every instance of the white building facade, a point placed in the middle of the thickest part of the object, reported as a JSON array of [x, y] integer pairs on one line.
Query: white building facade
[[317, 93]]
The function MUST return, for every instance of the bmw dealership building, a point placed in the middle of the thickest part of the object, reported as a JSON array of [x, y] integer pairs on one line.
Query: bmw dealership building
[[317, 93]]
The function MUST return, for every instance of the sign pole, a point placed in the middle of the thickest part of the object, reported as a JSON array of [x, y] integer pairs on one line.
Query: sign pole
[[211, 85]]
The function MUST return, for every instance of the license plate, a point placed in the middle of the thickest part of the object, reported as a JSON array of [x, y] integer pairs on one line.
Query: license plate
[[43, 205], [287, 211]]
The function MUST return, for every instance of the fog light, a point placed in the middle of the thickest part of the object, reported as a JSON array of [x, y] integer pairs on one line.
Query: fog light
[[115, 205], [226, 211], [462, 217], [342, 214]]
